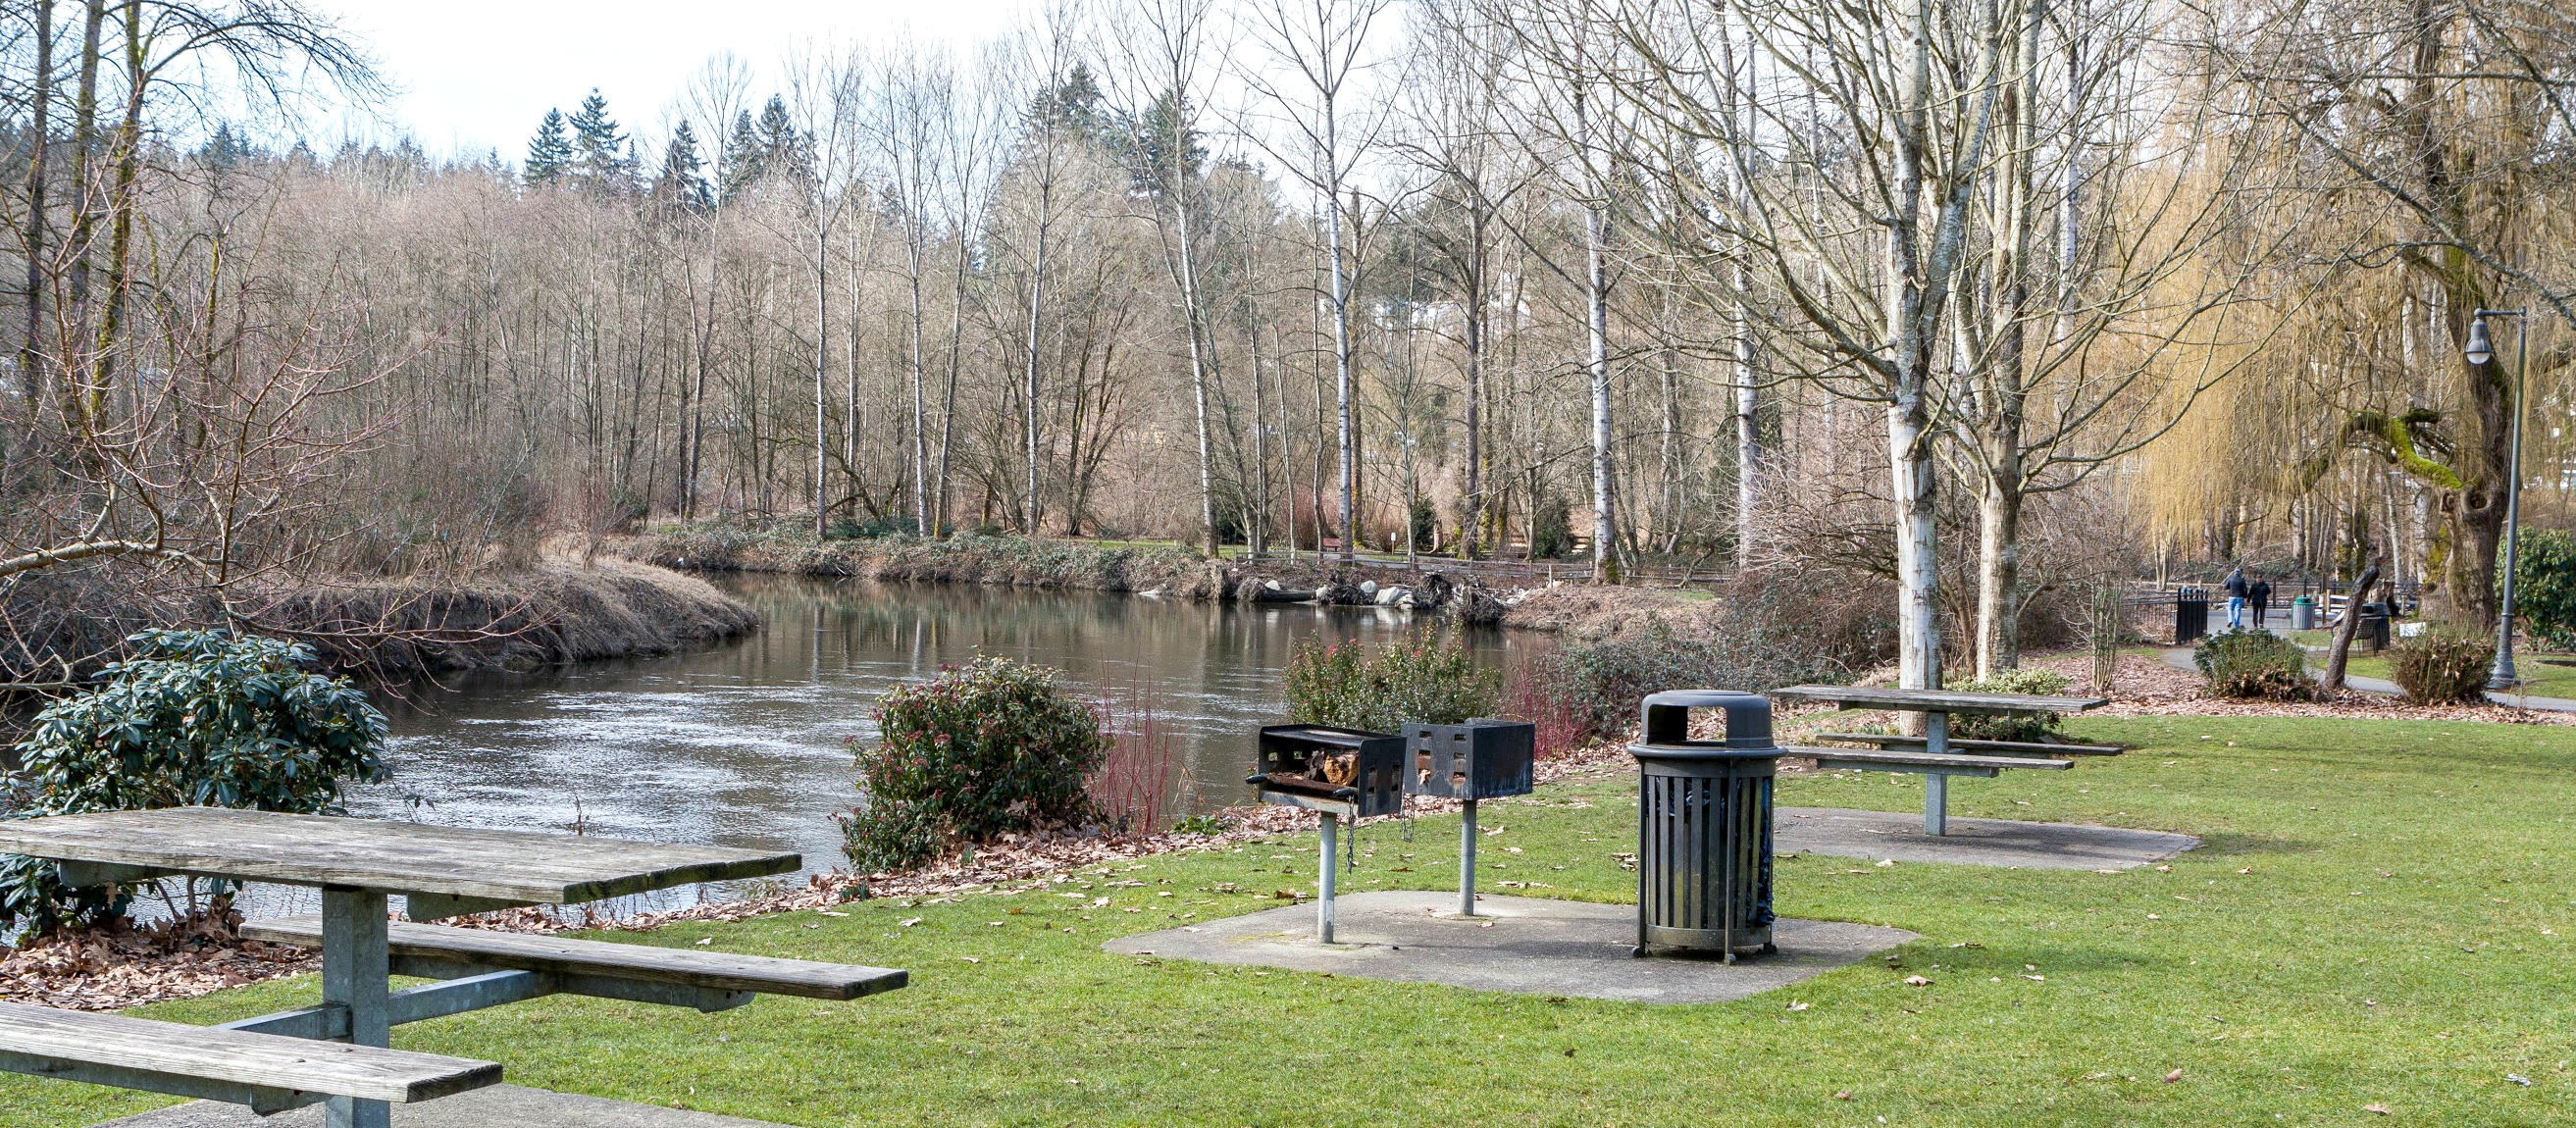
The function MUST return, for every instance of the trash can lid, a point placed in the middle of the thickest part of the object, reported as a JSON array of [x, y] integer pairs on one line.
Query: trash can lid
[[1665, 722]]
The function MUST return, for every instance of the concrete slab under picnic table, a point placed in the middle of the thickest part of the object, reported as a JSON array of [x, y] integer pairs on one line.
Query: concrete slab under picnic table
[[1530, 945], [500, 1106], [1970, 842]]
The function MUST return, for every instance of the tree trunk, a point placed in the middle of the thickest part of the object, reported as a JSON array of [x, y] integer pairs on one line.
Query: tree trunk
[[31, 365], [1345, 426], [2332, 679], [1472, 500], [84, 217], [822, 370], [1999, 596], [921, 516], [1596, 322], [2000, 496], [1202, 359]]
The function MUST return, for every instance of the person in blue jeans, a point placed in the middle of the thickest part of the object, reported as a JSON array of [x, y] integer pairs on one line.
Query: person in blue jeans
[[2235, 588]]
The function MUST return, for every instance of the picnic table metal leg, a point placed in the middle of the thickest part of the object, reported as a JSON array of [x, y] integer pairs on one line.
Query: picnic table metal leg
[[1467, 861], [1324, 880], [1936, 786], [354, 972]]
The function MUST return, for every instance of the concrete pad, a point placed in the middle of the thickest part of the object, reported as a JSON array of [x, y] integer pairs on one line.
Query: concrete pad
[[1971, 842], [1529, 945], [500, 1106]]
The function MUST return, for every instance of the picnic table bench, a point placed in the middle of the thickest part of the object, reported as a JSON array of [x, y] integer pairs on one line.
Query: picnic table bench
[[1935, 755], [335, 1052], [268, 1073]]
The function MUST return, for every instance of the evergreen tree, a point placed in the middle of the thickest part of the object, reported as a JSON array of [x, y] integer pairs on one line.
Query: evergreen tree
[[681, 187], [1074, 106], [550, 153], [595, 145], [782, 147], [740, 166], [225, 149], [1143, 141]]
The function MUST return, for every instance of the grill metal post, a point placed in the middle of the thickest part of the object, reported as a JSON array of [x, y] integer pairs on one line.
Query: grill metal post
[[1467, 861], [1324, 879], [1480, 759]]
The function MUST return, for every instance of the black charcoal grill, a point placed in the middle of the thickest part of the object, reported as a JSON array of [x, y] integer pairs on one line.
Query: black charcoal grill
[[1338, 773], [1481, 759]]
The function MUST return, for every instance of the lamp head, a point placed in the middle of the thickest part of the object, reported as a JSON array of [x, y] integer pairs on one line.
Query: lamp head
[[2480, 348]]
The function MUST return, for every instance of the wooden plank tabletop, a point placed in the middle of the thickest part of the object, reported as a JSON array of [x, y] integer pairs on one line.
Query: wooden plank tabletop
[[1939, 700], [526, 867]]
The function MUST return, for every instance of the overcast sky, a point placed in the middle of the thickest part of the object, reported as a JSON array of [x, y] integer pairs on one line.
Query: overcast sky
[[473, 75]]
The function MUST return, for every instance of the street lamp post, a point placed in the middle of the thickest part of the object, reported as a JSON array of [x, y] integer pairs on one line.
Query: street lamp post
[[2481, 350]]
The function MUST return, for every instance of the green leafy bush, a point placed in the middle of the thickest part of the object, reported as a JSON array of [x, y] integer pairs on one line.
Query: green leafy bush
[[2011, 726], [2445, 665], [2256, 664], [1426, 680], [985, 749], [2544, 595], [193, 719]]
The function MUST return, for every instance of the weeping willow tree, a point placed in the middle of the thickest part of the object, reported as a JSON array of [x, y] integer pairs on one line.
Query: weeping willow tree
[[2434, 135]]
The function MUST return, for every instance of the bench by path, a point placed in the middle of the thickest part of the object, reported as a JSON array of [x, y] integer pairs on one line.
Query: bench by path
[[1872, 835]]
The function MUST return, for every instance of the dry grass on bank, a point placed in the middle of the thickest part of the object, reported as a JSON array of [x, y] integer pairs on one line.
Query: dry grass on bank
[[556, 612]]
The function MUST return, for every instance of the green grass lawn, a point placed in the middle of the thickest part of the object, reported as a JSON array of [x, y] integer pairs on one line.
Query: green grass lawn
[[2382, 915]]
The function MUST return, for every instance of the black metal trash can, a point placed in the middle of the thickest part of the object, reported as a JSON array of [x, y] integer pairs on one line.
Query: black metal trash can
[[2373, 629], [2191, 614], [1704, 827]]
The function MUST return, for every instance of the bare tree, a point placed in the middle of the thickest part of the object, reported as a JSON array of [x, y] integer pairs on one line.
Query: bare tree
[[1322, 45]]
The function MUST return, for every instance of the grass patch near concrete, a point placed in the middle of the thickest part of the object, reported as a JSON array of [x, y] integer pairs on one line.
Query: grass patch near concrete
[[2541, 676], [2382, 915]]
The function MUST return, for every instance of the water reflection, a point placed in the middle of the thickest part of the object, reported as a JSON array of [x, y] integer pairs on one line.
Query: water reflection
[[742, 744]]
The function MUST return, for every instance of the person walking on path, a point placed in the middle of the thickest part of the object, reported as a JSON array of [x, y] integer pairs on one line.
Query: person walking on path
[[2258, 599], [2235, 588]]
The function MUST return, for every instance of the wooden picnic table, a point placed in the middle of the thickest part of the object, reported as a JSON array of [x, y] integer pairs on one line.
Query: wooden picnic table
[[1936, 705], [441, 871]]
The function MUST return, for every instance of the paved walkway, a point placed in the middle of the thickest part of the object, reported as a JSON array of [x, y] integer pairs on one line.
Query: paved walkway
[[1526, 945], [1971, 842], [2180, 657], [501, 1106]]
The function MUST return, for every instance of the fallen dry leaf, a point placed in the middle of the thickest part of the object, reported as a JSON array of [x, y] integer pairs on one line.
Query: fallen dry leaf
[[2376, 1107], [1917, 981], [2172, 1077]]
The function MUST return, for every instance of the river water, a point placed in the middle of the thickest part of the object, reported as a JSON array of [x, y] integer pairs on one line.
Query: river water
[[743, 744]]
